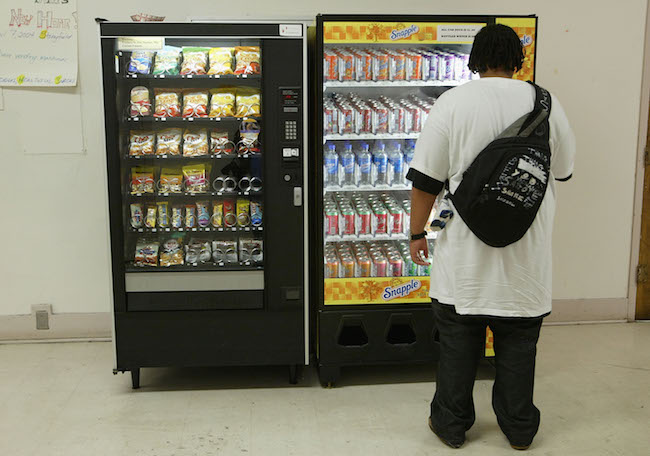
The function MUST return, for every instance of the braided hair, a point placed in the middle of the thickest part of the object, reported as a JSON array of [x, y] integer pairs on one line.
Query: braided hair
[[496, 47]]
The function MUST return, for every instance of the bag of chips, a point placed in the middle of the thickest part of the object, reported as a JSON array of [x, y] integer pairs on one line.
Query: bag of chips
[[220, 142], [195, 60], [168, 141], [163, 214], [225, 251], [137, 215], [190, 216], [140, 62], [248, 102], [141, 143], [221, 59], [251, 250], [140, 102], [146, 253], [217, 214], [222, 102], [142, 180], [171, 253], [168, 102], [195, 103], [177, 216], [248, 60], [171, 181], [195, 142], [243, 212], [150, 218], [203, 213], [167, 61], [197, 178]]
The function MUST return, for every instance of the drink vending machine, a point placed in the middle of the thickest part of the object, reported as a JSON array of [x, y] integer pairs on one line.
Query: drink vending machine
[[207, 175], [377, 77]]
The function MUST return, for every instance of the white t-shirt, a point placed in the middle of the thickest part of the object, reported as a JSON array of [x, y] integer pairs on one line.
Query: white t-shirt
[[514, 281]]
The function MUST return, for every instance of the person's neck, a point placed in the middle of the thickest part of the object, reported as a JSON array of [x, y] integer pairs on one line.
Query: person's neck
[[499, 73]]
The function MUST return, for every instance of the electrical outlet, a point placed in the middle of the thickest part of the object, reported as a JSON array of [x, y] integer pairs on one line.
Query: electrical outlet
[[42, 314]]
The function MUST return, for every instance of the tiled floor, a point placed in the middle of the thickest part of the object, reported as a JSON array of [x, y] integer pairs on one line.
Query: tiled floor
[[593, 388]]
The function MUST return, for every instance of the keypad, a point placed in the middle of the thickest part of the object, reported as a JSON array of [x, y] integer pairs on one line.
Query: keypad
[[291, 130]]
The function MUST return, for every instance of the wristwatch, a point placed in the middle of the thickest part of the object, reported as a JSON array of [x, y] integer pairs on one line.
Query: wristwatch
[[415, 237]]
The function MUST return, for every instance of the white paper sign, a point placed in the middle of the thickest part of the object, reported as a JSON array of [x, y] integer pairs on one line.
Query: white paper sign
[[460, 33], [38, 43], [137, 43]]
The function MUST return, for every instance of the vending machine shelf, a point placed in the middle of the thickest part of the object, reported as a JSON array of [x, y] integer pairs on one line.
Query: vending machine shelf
[[369, 136], [388, 84]]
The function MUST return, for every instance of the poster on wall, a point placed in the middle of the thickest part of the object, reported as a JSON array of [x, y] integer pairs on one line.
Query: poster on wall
[[38, 43]]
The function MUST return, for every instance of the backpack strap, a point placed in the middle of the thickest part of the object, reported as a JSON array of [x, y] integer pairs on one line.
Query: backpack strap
[[526, 124]]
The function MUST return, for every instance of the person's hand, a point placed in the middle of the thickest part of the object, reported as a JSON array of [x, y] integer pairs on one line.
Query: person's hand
[[420, 251]]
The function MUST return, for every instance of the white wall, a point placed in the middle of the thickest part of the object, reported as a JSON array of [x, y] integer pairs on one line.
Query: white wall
[[54, 216]]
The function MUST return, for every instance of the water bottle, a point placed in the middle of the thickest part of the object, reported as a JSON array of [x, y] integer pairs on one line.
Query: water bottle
[[331, 160], [396, 160], [347, 165], [409, 151], [380, 160], [364, 159]]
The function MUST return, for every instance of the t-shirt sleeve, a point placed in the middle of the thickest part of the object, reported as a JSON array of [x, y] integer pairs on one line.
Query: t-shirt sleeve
[[562, 142], [430, 166]]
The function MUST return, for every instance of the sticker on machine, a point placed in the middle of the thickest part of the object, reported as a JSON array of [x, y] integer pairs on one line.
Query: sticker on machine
[[290, 30], [401, 291], [463, 33]]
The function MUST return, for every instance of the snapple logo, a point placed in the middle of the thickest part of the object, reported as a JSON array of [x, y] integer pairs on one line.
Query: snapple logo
[[526, 40], [404, 33], [401, 291]]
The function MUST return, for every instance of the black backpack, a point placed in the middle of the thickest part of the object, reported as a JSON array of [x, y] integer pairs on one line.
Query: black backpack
[[503, 188]]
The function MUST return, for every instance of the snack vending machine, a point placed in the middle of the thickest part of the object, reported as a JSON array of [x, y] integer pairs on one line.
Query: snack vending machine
[[207, 174], [377, 78]]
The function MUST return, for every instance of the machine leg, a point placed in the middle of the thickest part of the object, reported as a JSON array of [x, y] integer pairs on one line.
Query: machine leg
[[293, 374], [329, 375], [135, 378]]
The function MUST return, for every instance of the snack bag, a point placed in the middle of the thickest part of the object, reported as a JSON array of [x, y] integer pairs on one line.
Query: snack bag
[[243, 212], [229, 217], [248, 60], [221, 60], [140, 102], [190, 216], [198, 251], [171, 181], [195, 60], [177, 217], [146, 253], [172, 251], [203, 213], [141, 143], [248, 102], [224, 251], [168, 102], [256, 213], [163, 214], [142, 180], [150, 219], [168, 141], [250, 250], [205, 253], [195, 143], [249, 133], [195, 103], [220, 142], [167, 61], [222, 103], [196, 178], [140, 62], [137, 215], [217, 214]]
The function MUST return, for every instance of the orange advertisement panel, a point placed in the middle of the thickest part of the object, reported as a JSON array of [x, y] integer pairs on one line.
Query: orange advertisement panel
[[376, 290], [399, 32], [526, 29]]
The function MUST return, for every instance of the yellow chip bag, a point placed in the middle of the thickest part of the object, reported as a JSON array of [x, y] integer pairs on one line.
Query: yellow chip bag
[[222, 103], [197, 178], [195, 142], [142, 180], [248, 102], [169, 141], [171, 181], [221, 60]]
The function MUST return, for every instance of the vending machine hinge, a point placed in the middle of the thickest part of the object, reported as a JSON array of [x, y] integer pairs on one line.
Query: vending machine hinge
[[642, 273]]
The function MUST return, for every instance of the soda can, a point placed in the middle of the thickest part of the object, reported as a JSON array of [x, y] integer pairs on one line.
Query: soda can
[[424, 270], [346, 66], [434, 66], [364, 119], [397, 67], [330, 66], [364, 217], [395, 266], [413, 66], [465, 74], [398, 123], [381, 220], [331, 222], [379, 266], [364, 266], [450, 61], [346, 119], [331, 267], [414, 118], [330, 119], [381, 119], [411, 269], [380, 66], [347, 266], [426, 65], [363, 66], [347, 215], [397, 220]]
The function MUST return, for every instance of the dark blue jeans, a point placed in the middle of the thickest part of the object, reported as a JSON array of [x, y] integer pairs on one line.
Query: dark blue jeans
[[462, 342]]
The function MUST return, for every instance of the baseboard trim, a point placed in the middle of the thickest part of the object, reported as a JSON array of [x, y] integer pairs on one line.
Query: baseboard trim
[[97, 326]]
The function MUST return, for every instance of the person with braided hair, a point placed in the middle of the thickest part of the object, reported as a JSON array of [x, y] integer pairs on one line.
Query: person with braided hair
[[474, 285]]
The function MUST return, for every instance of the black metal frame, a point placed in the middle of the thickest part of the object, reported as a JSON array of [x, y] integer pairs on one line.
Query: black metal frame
[[425, 349], [217, 327]]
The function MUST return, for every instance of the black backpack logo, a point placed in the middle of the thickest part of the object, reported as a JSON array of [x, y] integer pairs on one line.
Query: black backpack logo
[[504, 187]]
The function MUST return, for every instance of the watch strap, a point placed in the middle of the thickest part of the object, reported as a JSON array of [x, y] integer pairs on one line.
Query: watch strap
[[415, 237]]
